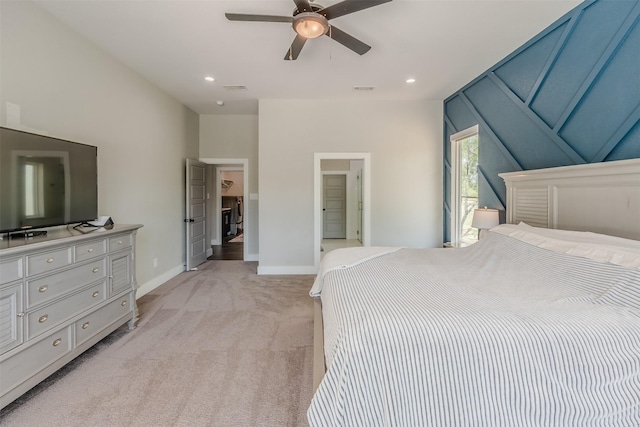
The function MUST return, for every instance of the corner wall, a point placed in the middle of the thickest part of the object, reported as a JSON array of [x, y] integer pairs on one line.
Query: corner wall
[[70, 89], [571, 95]]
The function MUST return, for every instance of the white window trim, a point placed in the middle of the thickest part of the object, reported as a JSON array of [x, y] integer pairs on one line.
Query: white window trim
[[455, 174]]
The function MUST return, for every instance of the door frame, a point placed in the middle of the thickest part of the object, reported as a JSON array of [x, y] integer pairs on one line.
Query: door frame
[[317, 197], [237, 163]]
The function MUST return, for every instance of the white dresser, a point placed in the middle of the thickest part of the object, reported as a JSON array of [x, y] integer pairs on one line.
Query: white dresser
[[59, 295]]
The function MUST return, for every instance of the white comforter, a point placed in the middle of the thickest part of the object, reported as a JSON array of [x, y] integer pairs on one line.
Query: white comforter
[[502, 333]]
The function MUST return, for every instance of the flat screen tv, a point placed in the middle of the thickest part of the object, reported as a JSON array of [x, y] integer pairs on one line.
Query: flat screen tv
[[45, 181]]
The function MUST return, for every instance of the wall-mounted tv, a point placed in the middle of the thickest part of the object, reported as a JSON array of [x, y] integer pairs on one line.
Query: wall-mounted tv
[[45, 181]]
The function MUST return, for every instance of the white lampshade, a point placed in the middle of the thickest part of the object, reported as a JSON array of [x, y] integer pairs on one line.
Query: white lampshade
[[485, 218]]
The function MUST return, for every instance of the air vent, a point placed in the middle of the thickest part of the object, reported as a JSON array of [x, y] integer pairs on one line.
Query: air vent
[[235, 88], [363, 88]]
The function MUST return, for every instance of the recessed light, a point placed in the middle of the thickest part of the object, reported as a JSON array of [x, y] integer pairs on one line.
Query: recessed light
[[209, 78], [411, 80], [220, 103]]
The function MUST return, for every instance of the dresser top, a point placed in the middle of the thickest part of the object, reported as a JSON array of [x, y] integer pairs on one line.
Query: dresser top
[[58, 236]]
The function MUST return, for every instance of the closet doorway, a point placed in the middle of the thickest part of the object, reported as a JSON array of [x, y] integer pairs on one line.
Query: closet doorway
[[230, 234], [230, 197]]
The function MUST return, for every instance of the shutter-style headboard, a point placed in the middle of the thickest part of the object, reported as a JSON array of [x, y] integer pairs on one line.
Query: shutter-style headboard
[[599, 197]]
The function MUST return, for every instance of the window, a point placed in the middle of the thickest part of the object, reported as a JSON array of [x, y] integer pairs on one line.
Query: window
[[464, 168], [34, 190]]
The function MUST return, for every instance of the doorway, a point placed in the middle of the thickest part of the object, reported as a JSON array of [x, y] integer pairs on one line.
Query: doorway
[[231, 197], [354, 167], [227, 194]]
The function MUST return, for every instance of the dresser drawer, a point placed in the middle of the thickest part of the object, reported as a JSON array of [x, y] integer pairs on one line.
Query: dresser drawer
[[45, 318], [10, 270], [120, 242], [48, 261], [46, 288], [91, 324], [90, 250], [30, 361]]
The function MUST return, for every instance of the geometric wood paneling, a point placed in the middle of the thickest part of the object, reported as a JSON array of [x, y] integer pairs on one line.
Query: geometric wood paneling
[[571, 95]]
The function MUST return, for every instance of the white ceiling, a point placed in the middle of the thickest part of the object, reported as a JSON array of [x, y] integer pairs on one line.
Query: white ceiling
[[443, 44]]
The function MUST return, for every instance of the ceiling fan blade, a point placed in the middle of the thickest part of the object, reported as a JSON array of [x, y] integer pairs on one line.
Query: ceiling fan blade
[[257, 18], [296, 47], [303, 5], [348, 41], [349, 6]]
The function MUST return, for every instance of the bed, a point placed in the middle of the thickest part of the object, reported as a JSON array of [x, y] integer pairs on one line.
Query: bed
[[531, 326]]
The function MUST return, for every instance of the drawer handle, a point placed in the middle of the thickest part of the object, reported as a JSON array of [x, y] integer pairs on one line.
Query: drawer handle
[[95, 294], [95, 270], [90, 250], [20, 314], [57, 342], [43, 288], [43, 319], [85, 325], [49, 260], [123, 303], [119, 242]]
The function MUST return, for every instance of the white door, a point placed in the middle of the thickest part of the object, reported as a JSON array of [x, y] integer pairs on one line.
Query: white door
[[196, 213], [359, 191], [335, 206]]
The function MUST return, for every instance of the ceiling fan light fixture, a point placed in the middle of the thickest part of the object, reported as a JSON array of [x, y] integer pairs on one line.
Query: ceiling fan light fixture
[[310, 25]]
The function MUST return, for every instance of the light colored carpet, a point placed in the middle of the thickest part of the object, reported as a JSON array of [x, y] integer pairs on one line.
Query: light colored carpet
[[219, 346]]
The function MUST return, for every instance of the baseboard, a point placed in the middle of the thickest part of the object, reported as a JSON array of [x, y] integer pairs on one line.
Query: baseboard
[[157, 281], [209, 252], [287, 270]]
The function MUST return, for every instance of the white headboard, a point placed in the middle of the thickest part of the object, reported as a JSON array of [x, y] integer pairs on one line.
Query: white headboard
[[599, 197]]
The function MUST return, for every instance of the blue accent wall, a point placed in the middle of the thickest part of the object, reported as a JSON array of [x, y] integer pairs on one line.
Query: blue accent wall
[[570, 95]]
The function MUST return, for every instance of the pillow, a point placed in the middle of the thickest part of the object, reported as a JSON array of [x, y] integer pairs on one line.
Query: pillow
[[585, 244]]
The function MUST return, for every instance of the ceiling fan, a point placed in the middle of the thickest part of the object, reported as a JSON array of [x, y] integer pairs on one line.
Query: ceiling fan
[[310, 20]]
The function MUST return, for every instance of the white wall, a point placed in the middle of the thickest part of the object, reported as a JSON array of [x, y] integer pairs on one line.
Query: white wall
[[404, 139], [73, 90], [235, 137]]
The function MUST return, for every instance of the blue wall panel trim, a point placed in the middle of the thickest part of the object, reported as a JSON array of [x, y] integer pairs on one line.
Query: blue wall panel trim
[[629, 147], [561, 21], [600, 67], [490, 197], [617, 138], [580, 60], [449, 125], [479, 120], [537, 121], [567, 29], [524, 72], [570, 95]]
